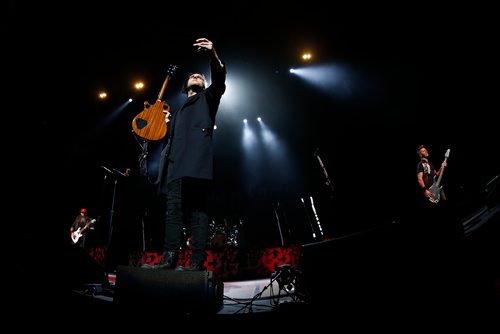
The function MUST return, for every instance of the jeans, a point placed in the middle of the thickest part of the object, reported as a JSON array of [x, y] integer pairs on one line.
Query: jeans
[[187, 204]]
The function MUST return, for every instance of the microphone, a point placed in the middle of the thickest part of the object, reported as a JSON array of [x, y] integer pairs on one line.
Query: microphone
[[126, 174], [107, 169]]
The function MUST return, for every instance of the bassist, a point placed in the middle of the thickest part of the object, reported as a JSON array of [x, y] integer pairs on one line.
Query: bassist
[[427, 174], [436, 224]]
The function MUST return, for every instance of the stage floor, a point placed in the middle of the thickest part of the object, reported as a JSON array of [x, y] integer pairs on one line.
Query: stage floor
[[239, 297]]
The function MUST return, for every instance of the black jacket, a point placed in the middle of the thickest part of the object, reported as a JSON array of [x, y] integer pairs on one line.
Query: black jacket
[[189, 149]]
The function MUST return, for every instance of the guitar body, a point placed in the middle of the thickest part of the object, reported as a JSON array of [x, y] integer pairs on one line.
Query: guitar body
[[151, 124], [436, 187], [76, 235], [436, 193]]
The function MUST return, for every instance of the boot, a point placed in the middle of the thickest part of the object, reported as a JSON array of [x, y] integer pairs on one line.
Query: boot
[[169, 261], [192, 267]]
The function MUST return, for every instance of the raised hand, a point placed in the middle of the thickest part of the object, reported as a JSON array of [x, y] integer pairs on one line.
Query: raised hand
[[203, 44]]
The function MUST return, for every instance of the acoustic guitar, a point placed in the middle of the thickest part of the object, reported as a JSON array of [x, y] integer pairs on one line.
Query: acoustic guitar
[[151, 123]]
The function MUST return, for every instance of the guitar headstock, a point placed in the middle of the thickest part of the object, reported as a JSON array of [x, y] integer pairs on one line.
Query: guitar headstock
[[171, 69], [447, 154]]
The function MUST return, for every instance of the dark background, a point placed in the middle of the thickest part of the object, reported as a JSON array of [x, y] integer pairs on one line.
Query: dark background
[[421, 77]]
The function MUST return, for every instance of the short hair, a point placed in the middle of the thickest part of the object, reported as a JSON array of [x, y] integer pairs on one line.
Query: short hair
[[419, 148], [184, 85]]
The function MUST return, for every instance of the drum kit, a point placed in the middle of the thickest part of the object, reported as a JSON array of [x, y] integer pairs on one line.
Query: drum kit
[[222, 234]]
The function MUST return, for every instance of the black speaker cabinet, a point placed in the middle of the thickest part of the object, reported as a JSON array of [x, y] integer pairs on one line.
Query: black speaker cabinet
[[354, 271], [183, 292]]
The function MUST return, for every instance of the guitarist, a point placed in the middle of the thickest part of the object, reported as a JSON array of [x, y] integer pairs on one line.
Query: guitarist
[[81, 224], [186, 168], [426, 173]]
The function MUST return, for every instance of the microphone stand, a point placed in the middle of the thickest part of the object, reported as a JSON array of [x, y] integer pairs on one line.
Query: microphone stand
[[328, 182], [279, 224], [112, 208], [115, 173]]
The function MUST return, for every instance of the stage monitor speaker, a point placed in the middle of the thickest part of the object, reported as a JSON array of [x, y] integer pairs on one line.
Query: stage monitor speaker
[[355, 270], [183, 292]]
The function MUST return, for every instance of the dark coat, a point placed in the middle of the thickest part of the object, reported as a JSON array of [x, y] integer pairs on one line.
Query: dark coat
[[189, 150]]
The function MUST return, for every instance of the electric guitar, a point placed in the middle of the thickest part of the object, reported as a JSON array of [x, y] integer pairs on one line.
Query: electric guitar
[[436, 188], [75, 235], [151, 123]]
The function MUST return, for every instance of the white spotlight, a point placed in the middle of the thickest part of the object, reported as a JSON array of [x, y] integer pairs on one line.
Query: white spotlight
[[129, 100], [259, 119], [292, 70], [245, 121]]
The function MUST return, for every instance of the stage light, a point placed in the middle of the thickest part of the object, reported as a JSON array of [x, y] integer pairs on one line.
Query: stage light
[[139, 85], [306, 56]]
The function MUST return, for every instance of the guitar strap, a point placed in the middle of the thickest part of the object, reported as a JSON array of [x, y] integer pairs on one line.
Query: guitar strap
[[427, 170], [143, 157], [427, 167]]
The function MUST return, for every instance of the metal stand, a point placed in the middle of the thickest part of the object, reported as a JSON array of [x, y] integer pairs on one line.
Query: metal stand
[[279, 224], [112, 208], [115, 174], [328, 182], [143, 233], [306, 212], [111, 213], [286, 278]]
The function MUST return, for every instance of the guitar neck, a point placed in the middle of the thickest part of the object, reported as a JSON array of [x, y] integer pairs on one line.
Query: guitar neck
[[165, 82], [87, 225], [441, 170], [170, 71]]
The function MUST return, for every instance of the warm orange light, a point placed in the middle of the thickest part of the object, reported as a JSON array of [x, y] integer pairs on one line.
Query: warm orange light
[[306, 56], [139, 85]]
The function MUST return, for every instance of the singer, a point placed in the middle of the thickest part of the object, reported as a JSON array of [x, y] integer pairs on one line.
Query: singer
[[186, 163]]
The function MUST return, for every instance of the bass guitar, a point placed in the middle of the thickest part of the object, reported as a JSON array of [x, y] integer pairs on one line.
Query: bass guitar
[[151, 123], [436, 187], [75, 235]]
